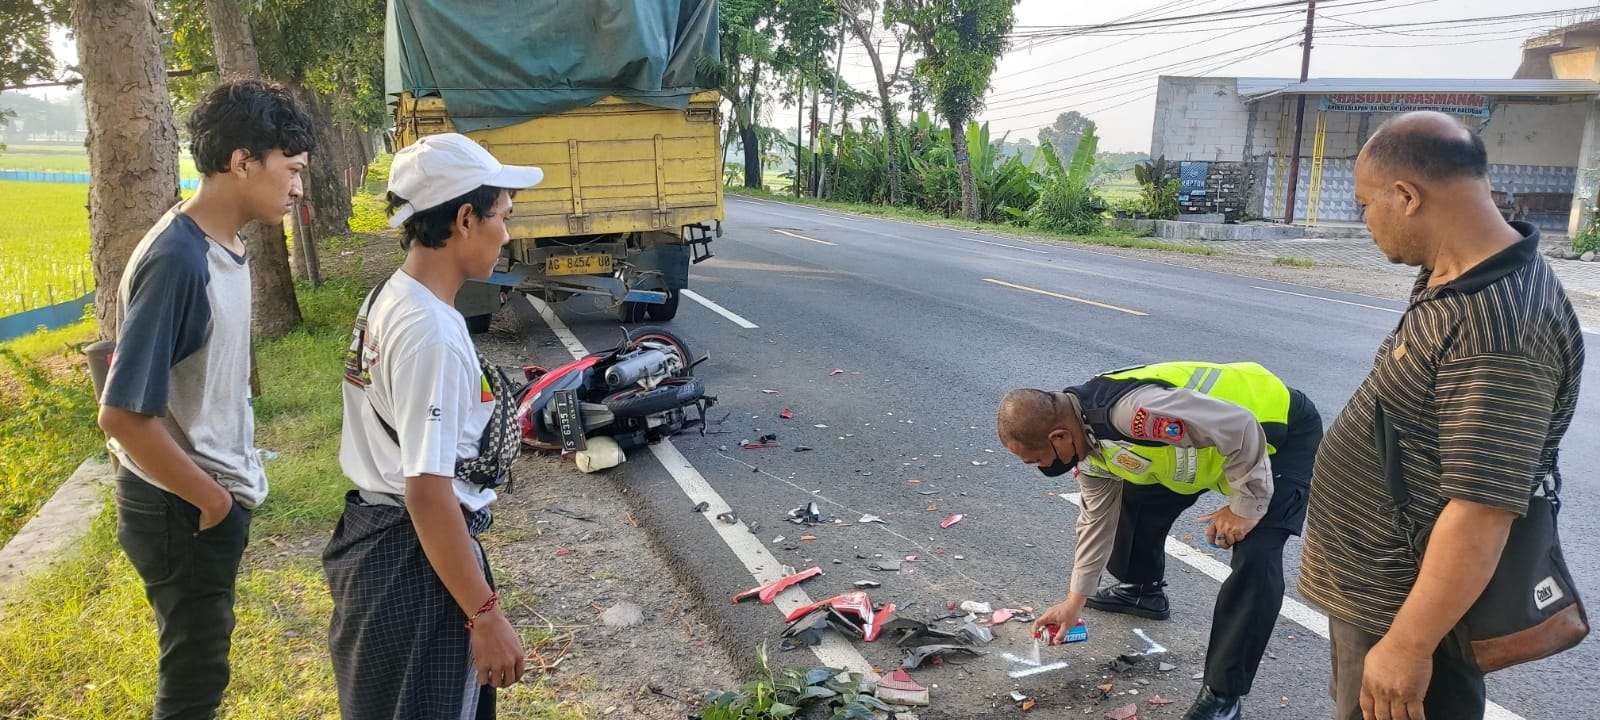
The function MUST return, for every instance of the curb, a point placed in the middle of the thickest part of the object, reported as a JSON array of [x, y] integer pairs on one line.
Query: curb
[[62, 522]]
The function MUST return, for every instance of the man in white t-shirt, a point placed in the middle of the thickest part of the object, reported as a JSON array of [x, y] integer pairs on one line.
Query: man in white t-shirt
[[416, 629]]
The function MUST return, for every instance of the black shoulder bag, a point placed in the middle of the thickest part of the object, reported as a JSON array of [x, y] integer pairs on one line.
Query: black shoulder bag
[[1530, 609]]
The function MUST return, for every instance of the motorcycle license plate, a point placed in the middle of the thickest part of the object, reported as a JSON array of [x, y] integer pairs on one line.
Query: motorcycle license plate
[[578, 265], [569, 421]]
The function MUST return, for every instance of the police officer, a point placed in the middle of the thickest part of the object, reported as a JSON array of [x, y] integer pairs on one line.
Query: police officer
[[1146, 443]]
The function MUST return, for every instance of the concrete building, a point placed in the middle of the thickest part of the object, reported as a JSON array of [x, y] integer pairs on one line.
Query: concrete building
[[1233, 137]]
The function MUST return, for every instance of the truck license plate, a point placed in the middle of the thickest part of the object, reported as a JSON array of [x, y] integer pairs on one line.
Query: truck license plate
[[578, 265]]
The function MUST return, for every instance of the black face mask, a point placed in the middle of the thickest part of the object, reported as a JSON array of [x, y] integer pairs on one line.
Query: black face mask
[[1059, 467]]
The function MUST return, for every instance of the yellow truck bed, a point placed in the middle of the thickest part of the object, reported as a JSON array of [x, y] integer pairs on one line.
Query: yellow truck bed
[[612, 167]]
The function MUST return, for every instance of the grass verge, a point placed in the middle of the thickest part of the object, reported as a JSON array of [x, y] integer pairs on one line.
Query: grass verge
[[1294, 262], [1110, 238], [78, 642]]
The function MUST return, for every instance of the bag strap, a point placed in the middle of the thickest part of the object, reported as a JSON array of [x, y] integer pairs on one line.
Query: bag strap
[[361, 342]]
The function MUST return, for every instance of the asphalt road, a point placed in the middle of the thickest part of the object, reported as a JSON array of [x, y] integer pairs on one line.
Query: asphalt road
[[931, 326]]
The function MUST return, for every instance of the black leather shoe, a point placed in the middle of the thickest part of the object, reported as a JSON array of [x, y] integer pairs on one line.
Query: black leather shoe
[[1145, 600], [1211, 706]]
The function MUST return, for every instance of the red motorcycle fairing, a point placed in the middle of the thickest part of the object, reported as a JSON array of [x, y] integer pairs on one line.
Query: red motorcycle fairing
[[537, 395]]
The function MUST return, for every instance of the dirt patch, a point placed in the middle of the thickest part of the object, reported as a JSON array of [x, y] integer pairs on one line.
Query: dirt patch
[[565, 549]]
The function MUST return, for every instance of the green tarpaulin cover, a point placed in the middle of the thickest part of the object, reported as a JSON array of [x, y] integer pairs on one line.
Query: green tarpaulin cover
[[500, 62]]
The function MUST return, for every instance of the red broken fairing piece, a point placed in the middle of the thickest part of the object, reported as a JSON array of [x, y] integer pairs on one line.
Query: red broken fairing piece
[[786, 414], [953, 519], [854, 604], [766, 593]]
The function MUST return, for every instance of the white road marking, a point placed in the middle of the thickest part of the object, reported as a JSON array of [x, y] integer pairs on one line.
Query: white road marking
[[802, 237], [1301, 614], [1328, 299], [718, 309], [1064, 297], [834, 651], [1012, 247]]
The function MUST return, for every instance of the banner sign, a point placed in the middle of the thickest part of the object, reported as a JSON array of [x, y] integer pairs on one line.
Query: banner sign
[[1469, 104]]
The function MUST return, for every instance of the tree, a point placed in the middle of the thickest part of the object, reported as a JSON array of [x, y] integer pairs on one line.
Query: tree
[[746, 41], [959, 41], [276, 309], [26, 53], [1064, 133], [861, 16], [133, 144]]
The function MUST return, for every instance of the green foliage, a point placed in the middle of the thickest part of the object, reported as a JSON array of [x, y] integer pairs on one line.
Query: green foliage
[[778, 696], [26, 55], [1588, 238], [1069, 203], [960, 42], [1159, 185], [1294, 262]]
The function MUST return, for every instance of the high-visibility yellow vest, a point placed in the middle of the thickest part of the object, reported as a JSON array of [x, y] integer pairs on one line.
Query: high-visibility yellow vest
[[1182, 470]]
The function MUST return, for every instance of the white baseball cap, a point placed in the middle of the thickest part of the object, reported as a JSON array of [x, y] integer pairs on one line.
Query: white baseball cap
[[441, 168]]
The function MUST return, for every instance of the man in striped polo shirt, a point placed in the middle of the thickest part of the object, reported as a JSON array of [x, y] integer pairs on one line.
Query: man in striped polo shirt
[[1480, 380]]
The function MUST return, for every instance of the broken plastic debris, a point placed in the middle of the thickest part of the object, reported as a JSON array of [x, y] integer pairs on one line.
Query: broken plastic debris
[[1158, 701], [1126, 712], [769, 392], [1017, 696], [768, 592], [911, 558], [980, 463], [870, 519], [1106, 687], [916, 656], [1166, 667], [623, 614], [1001, 615], [953, 519], [973, 606], [777, 540], [886, 565], [1027, 705], [807, 538], [786, 414], [835, 371], [563, 551], [868, 584], [803, 448], [820, 426], [976, 634], [808, 514], [701, 506], [898, 688]]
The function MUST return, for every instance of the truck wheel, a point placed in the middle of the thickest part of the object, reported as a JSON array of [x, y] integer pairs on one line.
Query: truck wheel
[[479, 324], [631, 312], [665, 311]]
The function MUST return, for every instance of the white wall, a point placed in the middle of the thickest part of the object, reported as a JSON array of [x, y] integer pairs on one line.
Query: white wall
[[1198, 119]]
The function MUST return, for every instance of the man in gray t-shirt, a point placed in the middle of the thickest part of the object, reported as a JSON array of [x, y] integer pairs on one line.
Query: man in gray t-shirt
[[176, 403]]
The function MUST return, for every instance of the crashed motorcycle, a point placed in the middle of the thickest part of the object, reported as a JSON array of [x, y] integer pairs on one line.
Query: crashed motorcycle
[[635, 393]]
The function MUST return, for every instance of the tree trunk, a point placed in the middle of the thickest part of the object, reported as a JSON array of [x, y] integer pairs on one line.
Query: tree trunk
[[891, 164], [330, 198], [754, 164], [275, 308], [233, 40], [799, 133], [133, 144], [969, 186]]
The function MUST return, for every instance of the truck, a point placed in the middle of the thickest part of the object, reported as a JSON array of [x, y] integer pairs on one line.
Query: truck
[[614, 99]]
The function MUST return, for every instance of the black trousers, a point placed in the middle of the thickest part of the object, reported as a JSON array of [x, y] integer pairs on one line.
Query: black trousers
[[189, 579], [1248, 602]]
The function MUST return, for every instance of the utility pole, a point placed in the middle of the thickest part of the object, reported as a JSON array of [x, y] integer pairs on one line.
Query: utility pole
[[833, 102], [1299, 114]]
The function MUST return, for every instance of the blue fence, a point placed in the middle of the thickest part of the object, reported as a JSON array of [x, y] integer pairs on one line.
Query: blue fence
[[69, 178], [48, 317]]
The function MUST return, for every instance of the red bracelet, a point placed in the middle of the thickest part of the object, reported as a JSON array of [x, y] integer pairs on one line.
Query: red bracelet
[[488, 605]]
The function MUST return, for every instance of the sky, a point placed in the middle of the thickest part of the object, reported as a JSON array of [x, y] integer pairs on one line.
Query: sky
[[1113, 79]]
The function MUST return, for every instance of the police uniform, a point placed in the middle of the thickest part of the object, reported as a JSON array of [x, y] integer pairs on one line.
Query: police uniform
[[1164, 434]]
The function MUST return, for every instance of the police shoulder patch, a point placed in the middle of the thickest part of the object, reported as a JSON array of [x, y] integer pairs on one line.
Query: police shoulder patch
[[1168, 429]]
